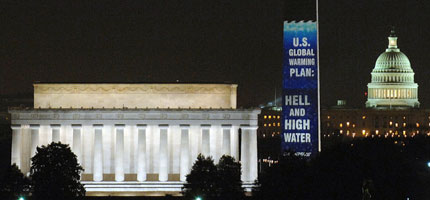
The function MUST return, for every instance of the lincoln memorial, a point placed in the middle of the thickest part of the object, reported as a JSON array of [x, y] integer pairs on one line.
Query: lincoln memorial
[[137, 139]]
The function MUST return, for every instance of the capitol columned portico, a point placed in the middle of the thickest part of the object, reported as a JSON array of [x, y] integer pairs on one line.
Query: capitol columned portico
[[135, 149]]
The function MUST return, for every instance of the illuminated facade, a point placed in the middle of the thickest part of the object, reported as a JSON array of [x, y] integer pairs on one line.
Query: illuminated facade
[[394, 123], [137, 139], [392, 83]]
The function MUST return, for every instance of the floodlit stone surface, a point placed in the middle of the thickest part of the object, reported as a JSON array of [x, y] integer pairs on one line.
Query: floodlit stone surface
[[145, 146], [137, 139], [205, 96]]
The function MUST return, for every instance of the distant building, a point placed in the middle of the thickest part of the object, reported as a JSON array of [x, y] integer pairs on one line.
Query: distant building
[[12, 101], [352, 122], [269, 140]]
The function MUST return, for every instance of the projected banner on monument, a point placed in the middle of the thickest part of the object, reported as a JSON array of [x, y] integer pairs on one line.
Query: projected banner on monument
[[300, 108]]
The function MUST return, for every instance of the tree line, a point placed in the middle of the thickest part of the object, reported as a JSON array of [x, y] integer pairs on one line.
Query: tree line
[[361, 169]]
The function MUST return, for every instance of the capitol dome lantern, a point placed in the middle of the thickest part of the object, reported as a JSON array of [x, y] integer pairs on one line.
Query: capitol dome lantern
[[392, 84]]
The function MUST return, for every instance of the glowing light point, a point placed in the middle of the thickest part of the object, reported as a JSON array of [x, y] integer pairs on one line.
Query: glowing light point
[[21, 198], [428, 164], [198, 198]]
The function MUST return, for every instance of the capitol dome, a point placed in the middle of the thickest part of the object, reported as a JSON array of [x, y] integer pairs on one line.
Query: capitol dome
[[392, 61], [392, 82]]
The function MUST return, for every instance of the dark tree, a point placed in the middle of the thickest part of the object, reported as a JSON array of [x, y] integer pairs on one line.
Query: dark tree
[[229, 179], [365, 168], [55, 173], [395, 173], [5, 148], [201, 182], [335, 174], [14, 184], [287, 180]]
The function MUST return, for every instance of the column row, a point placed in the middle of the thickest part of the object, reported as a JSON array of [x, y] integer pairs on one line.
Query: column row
[[208, 147], [408, 93]]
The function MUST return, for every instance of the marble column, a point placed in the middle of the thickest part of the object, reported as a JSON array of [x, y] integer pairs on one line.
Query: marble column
[[119, 153], [244, 152], [141, 152], [235, 142], [185, 152], [55, 132], [98, 154], [77, 146], [164, 162], [226, 142], [16, 145], [34, 129], [249, 153], [205, 139], [253, 154]]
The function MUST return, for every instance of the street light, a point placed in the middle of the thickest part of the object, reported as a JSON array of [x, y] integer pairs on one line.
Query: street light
[[198, 198], [21, 198], [428, 164]]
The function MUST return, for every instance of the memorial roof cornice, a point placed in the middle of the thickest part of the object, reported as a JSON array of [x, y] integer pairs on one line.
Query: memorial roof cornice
[[132, 109]]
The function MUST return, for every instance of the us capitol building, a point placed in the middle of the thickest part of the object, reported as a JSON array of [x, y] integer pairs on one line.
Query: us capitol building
[[392, 79], [392, 108], [137, 139]]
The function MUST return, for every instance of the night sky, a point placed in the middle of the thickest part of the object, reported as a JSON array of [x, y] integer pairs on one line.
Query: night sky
[[203, 41]]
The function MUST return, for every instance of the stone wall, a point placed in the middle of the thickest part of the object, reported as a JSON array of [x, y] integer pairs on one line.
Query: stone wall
[[135, 96]]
